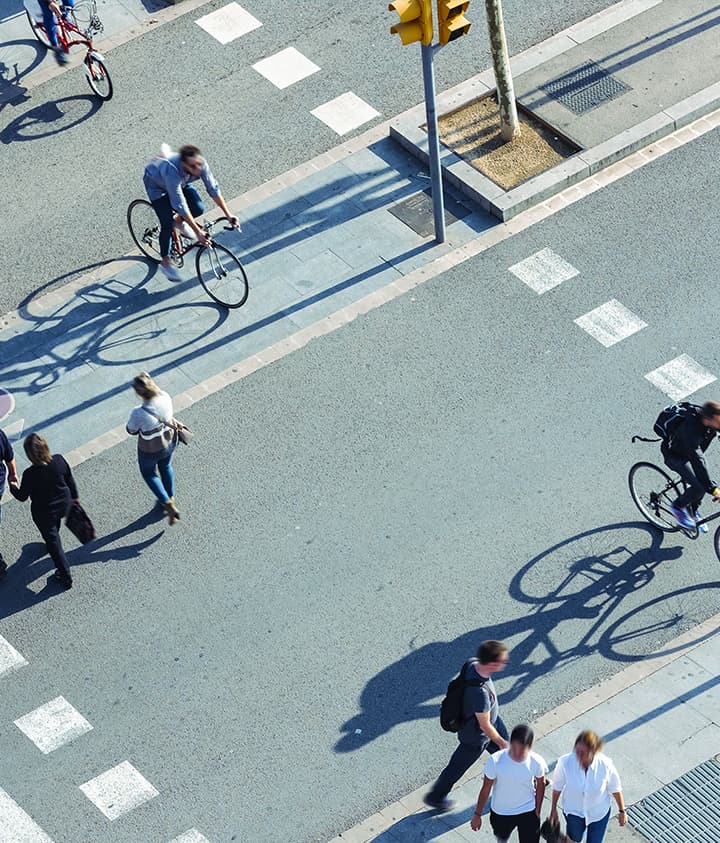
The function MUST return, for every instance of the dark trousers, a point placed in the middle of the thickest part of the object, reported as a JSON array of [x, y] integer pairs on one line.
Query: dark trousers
[[527, 825], [686, 469], [49, 525], [461, 761], [165, 211]]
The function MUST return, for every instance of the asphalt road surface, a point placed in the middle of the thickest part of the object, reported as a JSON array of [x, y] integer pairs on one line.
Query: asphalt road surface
[[356, 518], [71, 167]]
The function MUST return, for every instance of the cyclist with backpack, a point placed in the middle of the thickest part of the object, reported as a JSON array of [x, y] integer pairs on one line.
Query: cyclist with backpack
[[471, 709], [686, 431]]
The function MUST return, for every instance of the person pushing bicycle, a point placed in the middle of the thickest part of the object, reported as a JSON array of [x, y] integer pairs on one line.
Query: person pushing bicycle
[[686, 432], [50, 10], [176, 203]]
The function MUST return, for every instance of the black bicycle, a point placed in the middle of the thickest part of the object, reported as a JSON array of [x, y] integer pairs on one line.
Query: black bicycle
[[218, 268], [653, 490]]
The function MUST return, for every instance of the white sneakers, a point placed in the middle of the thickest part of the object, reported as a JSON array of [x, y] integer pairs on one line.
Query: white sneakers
[[170, 272]]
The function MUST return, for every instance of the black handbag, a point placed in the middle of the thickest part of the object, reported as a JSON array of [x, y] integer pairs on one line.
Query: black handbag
[[182, 431], [79, 524]]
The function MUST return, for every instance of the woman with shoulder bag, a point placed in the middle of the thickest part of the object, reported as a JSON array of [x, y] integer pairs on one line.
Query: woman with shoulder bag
[[50, 485], [153, 424]]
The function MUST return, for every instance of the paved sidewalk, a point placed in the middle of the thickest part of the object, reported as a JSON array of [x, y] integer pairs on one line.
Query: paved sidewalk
[[660, 719]]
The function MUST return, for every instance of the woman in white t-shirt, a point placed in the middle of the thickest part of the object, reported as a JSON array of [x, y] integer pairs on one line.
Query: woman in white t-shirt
[[587, 779], [153, 424], [516, 777]]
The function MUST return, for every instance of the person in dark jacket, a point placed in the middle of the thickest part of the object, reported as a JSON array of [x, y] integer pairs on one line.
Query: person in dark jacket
[[684, 453], [7, 467], [50, 485]]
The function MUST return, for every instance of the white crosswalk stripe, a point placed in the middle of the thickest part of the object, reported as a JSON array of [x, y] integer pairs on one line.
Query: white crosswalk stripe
[[52, 725], [16, 826], [190, 836], [610, 323], [10, 659], [680, 377], [345, 113], [228, 23], [119, 790], [286, 67], [543, 271]]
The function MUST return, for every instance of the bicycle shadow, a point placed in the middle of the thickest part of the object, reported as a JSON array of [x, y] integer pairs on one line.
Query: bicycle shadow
[[50, 118], [599, 574], [17, 59], [34, 562]]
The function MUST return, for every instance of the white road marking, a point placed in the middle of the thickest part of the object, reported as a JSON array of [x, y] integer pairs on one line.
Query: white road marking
[[53, 724], [119, 790], [10, 659], [543, 271], [190, 836], [228, 23], [680, 377], [16, 826], [610, 323], [286, 67], [345, 113]]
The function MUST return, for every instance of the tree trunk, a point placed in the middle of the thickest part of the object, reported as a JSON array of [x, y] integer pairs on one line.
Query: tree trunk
[[509, 126]]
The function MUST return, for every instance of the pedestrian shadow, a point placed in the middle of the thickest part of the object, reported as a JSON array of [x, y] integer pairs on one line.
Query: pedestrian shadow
[[34, 562], [591, 574], [50, 118]]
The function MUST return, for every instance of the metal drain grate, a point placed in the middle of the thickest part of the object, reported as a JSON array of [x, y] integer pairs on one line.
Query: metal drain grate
[[584, 88], [686, 810]]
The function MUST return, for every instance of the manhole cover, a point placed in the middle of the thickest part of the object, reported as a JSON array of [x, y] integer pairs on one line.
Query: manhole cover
[[687, 809], [417, 212], [584, 88]]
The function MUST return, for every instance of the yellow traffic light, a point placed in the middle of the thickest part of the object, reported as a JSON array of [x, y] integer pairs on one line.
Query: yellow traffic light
[[452, 22], [415, 22]]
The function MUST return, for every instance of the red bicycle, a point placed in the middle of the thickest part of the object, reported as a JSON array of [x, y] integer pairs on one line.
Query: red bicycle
[[72, 31]]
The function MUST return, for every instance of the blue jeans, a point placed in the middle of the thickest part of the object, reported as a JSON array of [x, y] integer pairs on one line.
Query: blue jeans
[[595, 831], [162, 485], [49, 21], [461, 761], [165, 211]]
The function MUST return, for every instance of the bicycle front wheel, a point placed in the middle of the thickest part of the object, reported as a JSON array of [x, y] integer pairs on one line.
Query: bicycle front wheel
[[38, 30], [222, 275], [98, 77], [653, 491], [145, 228]]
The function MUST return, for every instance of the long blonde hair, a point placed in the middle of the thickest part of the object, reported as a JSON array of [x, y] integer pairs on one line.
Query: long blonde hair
[[145, 386], [37, 449]]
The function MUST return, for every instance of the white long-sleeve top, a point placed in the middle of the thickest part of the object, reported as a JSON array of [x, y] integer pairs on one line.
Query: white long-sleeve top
[[586, 793]]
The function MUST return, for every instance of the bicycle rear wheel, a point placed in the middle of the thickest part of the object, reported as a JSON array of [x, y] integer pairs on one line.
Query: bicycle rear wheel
[[38, 30], [98, 77], [653, 491], [222, 275], [145, 228]]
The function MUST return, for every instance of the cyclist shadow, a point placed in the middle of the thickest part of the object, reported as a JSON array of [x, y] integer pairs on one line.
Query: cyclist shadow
[[50, 118], [599, 574], [14, 66]]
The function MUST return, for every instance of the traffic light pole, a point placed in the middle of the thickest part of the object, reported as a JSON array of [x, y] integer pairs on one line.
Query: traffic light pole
[[433, 142]]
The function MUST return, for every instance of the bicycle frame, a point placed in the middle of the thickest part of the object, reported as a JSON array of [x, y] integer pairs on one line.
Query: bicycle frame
[[70, 35], [207, 227]]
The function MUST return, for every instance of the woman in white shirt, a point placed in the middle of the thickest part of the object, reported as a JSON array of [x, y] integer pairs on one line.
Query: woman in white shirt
[[153, 424], [587, 779]]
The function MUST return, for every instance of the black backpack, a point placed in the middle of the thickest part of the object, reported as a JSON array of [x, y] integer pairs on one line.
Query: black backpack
[[670, 418], [451, 708]]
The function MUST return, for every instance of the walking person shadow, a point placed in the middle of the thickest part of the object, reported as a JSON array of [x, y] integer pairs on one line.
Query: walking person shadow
[[597, 575], [16, 586]]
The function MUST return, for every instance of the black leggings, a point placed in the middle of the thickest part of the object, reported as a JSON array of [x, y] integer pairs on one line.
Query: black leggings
[[687, 470], [49, 525]]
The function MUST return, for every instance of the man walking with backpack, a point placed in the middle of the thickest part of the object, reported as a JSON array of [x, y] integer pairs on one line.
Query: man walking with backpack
[[478, 724], [686, 431]]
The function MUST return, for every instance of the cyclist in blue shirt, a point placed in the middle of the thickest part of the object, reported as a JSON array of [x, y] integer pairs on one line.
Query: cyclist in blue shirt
[[176, 203]]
